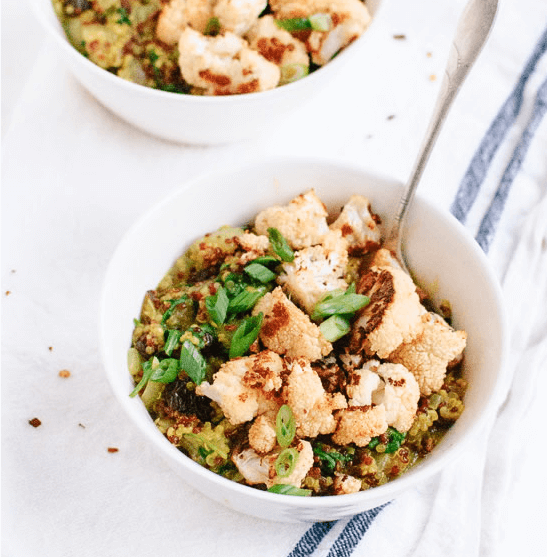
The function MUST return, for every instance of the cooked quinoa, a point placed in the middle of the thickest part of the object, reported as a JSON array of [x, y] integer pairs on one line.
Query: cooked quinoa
[[293, 354], [211, 47]]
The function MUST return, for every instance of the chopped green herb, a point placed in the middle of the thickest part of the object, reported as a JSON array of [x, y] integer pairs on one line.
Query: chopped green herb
[[166, 372], [245, 335], [260, 272], [288, 489], [339, 304], [285, 426], [124, 17], [192, 362], [280, 245], [173, 338], [217, 306], [335, 327], [329, 458], [148, 369], [395, 439], [285, 463]]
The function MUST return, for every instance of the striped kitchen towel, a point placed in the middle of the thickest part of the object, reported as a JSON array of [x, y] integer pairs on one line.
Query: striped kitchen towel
[[514, 127]]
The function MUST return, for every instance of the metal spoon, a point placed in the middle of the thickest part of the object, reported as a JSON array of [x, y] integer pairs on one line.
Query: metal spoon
[[471, 34]]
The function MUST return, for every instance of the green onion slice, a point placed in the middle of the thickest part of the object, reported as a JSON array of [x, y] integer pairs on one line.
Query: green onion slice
[[172, 340], [285, 426], [292, 72], [280, 245], [294, 24], [321, 22], [339, 304], [192, 362], [260, 272], [335, 327], [285, 463], [174, 304], [217, 306], [167, 371], [148, 369], [266, 260], [288, 489], [245, 335], [213, 27], [245, 300]]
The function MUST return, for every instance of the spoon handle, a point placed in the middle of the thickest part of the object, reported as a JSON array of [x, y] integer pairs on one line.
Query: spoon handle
[[471, 34]]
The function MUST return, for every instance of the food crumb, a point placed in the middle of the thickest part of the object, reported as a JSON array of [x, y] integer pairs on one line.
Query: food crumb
[[429, 54], [35, 422], [8, 292], [432, 77], [399, 37], [113, 449], [391, 116], [82, 426], [50, 348], [64, 373]]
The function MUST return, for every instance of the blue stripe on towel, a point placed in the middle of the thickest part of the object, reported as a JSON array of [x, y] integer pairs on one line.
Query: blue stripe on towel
[[353, 532], [493, 215], [311, 539], [476, 172]]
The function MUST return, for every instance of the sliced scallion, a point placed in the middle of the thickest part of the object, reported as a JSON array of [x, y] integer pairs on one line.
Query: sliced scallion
[[245, 335], [294, 24], [245, 300], [280, 245], [260, 272], [174, 304], [292, 72], [285, 463], [339, 304], [173, 338], [192, 362], [321, 22], [217, 305], [335, 327], [285, 426], [288, 489], [166, 372], [213, 27], [266, 260], [148, 369]]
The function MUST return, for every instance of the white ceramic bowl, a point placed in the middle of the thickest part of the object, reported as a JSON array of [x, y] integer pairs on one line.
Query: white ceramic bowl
[[441, 254], [195, 119]]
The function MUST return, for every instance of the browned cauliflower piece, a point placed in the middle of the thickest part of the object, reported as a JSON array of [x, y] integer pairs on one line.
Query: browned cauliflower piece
[[277, 45], [393, 315], [224, 65], [350, 18], [343, 483], [362, 383], [384, 258], [303, 222], [359, 225], [311, 405], [262, 436], [315, 271], [179, 14], [260, 469], [399, 393], [287, 330], [238, 16], [359, 424], [253, 245], [246, 387], [428, 355]]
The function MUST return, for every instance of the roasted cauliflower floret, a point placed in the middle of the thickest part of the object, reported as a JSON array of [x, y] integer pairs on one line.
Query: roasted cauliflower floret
[[303, 222], [315, 271], [277, 45], [428, 354], [245, 387], [346, 484], [361, 384], [359, 424], [253, 245], [260, 469], [399, 394], [262, 435], [358, 225], [238, 16], [393, 315], [349, 19], [287, 330], [311, 405], [179, 14], [384, 258], [224, 64]]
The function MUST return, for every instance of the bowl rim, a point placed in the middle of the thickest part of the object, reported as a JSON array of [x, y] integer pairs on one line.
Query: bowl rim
[[421, 471], [55, 30]]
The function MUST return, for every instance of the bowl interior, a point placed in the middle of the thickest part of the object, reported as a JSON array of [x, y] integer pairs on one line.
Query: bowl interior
[[443, 257]]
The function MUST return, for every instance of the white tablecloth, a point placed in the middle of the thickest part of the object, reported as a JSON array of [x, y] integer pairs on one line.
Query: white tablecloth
[[74, 178]]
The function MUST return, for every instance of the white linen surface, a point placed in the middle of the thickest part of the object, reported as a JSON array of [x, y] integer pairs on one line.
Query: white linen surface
[[74, 178]]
